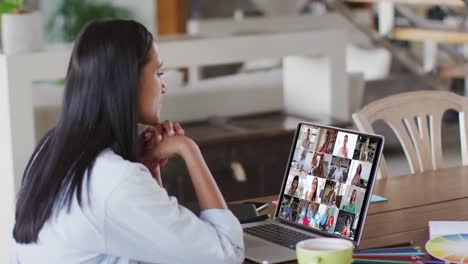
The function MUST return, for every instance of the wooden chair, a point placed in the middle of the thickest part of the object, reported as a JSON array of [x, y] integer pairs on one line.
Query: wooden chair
[[416, 119]]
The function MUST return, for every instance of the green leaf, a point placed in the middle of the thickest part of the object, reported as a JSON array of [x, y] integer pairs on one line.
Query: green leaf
[[6, 8], [74, 14], [14, 3]]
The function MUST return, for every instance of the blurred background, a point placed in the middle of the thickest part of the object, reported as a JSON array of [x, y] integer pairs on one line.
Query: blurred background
[[242, 73]]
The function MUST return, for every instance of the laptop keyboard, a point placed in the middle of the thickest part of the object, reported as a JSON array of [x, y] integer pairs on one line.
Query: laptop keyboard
[[277, 234]]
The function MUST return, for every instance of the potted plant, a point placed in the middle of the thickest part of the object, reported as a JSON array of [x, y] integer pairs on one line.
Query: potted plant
[[70, 16], [21, 30]]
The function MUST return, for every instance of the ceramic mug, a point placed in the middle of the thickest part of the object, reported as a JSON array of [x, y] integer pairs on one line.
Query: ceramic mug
[[325, 251]]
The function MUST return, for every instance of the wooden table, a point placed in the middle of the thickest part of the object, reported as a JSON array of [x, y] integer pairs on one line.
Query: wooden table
[[413, 200]]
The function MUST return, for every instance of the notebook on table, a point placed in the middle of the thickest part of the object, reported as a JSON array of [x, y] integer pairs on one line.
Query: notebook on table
[[442, 228]]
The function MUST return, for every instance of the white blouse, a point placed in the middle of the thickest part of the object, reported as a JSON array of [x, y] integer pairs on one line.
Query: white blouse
[[126, 217]]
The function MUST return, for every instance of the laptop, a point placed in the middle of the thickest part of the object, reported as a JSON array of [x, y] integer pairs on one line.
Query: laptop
[[325, 192]]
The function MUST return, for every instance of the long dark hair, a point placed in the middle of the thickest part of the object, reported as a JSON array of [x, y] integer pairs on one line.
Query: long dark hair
[[321, 167], [99, 111], [314, 194], [352, 200]]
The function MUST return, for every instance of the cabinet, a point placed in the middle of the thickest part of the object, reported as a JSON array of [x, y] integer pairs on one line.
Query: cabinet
[[258, 145]]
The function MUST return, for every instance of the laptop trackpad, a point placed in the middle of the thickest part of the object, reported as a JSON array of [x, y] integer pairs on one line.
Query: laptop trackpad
[[259, 250], [254, 243]]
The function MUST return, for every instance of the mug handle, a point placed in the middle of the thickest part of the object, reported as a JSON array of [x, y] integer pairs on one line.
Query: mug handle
[[315, 260]]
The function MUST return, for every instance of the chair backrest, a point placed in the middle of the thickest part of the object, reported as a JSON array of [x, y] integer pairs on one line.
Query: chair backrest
[[416, 120]]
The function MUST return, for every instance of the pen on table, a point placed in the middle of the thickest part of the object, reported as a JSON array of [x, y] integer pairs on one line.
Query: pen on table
[[390, 253], [394, 251], [430, 261], [389, 256], [380, 261], [399, 258], [367, 261], [256, 219], [404, 244]]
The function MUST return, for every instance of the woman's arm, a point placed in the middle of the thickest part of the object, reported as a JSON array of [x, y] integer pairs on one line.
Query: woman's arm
[[208, 194], [206, 189], [152, 136]]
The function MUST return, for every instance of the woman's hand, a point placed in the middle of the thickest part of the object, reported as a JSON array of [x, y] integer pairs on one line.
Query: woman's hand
[[154, 135], [171, 143], [151, 138], [162, 131], [177, 145]]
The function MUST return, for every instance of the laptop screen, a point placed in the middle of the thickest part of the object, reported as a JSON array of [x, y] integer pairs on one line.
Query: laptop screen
[[329, 180]]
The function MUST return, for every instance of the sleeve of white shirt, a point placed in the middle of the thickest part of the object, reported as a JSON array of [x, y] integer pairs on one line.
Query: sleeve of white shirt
[[13, 257], [143, 223]]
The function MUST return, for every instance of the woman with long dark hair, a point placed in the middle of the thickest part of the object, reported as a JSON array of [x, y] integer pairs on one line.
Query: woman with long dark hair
[[331, 198], [346, 227], [325, 148], [311, 194], [293, 188], [357, 176], [85, 194], [351, 205], [319, 171]]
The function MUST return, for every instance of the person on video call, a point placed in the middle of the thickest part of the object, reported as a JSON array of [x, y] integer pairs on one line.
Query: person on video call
[[327, 221], [351, 205], [331, 198], [92, 189], [301, 163], [343, 152], [330, 223], [364, 150], [311, 194], [324, 219], [325, 147], [319, 171], [306, 141], [337, 172], [357, 176], [308, 214], [294, 186], [288, 210], [313, 163], [347, 227], [300, 213]]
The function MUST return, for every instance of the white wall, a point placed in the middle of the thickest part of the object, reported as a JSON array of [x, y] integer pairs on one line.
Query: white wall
[[143, 10], [7, 185]]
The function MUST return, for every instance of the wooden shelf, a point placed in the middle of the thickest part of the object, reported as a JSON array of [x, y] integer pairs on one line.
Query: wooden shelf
[[442, 36], [414, 2]]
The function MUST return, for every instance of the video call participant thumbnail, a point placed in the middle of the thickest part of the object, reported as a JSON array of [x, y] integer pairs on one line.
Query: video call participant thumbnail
[[327, 142], [346, 143], [339, 169], [327, 218], [344, 224]]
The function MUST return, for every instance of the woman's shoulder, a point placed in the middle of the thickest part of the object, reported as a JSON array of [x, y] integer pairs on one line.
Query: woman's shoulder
[[109, 161], [110, 170]]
